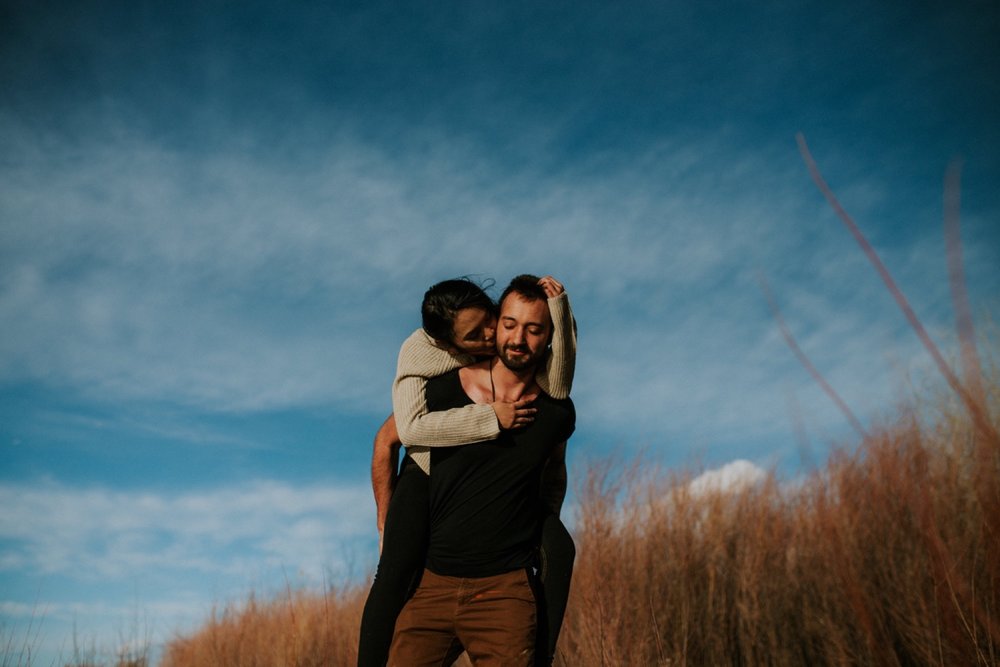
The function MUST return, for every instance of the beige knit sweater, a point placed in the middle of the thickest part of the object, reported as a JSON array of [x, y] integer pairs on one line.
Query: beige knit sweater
[[421, 359]]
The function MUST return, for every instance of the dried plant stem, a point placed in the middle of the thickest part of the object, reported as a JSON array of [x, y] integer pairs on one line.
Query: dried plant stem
[[971, 368], [982, 423], [806, 362]]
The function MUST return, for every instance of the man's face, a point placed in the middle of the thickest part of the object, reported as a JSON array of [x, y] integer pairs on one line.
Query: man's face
[[524, 332]]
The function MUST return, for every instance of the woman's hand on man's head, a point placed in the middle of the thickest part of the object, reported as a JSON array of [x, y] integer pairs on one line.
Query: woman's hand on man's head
[[551, 286]]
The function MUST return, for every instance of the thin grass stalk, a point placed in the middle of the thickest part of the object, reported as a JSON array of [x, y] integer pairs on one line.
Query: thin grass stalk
[[980, 419]]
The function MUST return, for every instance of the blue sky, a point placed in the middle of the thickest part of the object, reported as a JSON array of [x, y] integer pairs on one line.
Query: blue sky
[[217, 221]]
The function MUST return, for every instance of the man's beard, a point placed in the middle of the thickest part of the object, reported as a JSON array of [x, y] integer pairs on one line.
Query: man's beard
[[520, 363]]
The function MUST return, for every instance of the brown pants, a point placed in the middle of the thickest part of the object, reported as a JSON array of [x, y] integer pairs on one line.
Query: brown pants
[[492, 617]]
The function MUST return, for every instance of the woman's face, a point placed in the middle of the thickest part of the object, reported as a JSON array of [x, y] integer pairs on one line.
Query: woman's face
[[474, 331]]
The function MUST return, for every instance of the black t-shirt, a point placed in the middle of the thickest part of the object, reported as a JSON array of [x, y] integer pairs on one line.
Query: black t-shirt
[[484, 497]]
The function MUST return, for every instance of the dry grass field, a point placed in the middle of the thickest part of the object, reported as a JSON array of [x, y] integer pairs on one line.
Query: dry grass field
[[890, 555], [300, 628]]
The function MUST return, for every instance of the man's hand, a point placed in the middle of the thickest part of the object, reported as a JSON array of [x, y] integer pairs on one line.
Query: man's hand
[[514, 415], [551, 286]]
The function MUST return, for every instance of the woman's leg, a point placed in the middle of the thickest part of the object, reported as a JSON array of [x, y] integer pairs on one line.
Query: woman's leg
[[557, 555], [404, 551]]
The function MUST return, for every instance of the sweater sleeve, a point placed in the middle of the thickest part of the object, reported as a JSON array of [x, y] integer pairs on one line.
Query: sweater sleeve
[[419, 360], [557, 379]]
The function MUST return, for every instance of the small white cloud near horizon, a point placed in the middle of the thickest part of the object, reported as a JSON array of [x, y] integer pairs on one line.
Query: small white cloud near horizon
[[733, 477]]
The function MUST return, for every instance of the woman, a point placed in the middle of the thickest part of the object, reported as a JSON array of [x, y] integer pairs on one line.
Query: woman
[[459, 324]]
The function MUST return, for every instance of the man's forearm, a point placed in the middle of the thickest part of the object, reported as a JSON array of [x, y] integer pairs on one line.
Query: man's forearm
[[385, 461]]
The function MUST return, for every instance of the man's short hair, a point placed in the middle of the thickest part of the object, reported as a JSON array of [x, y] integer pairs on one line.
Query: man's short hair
[[525, 286], [444, 299]]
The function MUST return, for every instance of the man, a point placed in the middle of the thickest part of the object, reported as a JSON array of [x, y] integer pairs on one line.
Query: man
[[487, 502]]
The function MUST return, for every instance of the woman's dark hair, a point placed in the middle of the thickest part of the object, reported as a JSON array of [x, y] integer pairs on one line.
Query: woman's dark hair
[[443, 300]]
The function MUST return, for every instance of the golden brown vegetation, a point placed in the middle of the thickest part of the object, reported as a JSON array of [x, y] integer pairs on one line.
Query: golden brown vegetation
[[888, 556], [300, 628]]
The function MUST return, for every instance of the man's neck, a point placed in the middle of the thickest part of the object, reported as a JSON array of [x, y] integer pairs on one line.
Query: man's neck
[[489, 381], [511, 385]]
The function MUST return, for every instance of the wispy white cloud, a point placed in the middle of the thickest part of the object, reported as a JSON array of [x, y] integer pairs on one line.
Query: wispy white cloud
[[87, 534], [233, 280], [102, 566]]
